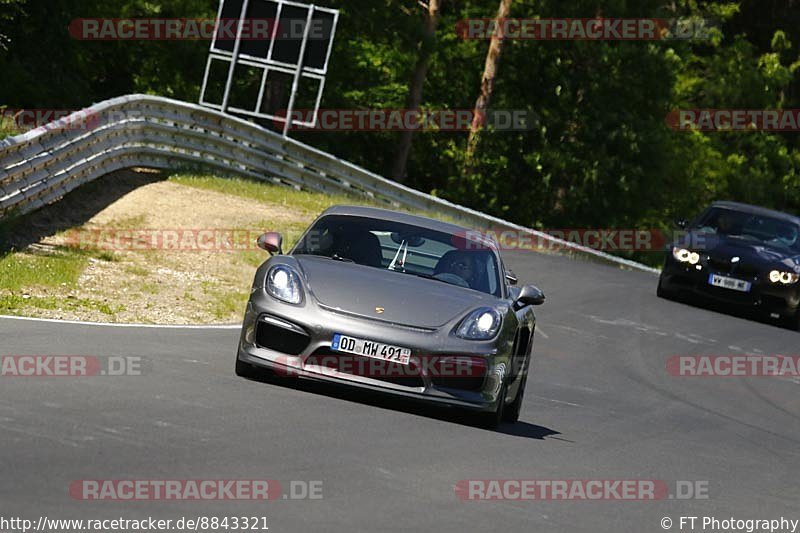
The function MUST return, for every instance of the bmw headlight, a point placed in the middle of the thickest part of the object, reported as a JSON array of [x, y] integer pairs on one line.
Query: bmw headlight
[[786, 278], [686, 256], [284, 284], [480, 325]]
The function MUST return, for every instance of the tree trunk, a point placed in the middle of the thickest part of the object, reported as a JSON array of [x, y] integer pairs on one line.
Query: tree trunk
[[487, 88], [415, 89]]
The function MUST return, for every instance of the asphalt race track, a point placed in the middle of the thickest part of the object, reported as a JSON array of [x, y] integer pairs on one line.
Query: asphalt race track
[[600, 405]]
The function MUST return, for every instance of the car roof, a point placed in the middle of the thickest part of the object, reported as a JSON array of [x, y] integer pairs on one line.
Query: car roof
[[414, 220], [757, 210]]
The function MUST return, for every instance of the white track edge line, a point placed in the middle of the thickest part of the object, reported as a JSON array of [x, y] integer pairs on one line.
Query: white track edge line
[[104, 324]]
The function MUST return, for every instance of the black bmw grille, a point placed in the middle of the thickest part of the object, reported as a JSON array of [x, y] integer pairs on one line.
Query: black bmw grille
[[723, 266], [746, 271], [718, 265]]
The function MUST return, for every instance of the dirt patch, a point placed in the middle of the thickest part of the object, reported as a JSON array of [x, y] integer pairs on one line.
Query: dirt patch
[[158, 286]]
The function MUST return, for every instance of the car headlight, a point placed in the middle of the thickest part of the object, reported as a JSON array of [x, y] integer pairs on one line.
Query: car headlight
[[686, 256], [787, 278], [284, 284], [480, 325]]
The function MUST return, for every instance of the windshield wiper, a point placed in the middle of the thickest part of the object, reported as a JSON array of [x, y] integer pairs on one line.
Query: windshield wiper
[[397, 261]]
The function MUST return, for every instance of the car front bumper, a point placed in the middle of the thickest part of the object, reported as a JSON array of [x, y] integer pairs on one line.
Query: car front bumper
[[300, 346], [763, 295]]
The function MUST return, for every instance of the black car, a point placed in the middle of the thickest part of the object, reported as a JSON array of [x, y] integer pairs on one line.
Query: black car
[[740, 255]]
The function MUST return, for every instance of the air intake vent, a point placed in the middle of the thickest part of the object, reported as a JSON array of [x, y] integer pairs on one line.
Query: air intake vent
[[284, 337]]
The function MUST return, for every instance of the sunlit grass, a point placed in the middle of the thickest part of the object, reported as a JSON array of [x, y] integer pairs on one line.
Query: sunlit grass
[[47, 277], [306, 203], [15, 304], [57, 270], [22, 270], [300, 202], [8, 126]]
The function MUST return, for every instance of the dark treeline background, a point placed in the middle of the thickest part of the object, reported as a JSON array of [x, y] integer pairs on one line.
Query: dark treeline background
[[601, 154]]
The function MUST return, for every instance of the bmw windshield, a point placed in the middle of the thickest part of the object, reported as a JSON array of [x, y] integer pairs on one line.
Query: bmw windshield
[[757, 229]]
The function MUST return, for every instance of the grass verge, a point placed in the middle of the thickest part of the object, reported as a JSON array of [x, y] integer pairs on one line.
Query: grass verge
[[41, 275]]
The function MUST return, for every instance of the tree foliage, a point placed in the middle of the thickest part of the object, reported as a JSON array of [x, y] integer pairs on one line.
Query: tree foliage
[[600, 154]]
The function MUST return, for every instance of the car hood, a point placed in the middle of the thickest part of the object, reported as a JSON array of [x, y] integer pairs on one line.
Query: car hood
[[756, 254], [405, 299]]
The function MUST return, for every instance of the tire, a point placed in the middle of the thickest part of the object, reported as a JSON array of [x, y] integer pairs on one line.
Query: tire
[[511, 411], [661, 292], [492, 419], [793, 322]]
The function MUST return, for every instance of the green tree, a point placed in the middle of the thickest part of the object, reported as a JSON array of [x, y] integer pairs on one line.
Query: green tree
[[8, 10], [600, 154], [426, 46]]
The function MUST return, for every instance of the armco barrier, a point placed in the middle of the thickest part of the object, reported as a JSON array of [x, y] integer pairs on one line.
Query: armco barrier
[[41, 166]]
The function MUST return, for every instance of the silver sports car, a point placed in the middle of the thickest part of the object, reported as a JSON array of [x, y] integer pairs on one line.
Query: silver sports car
[[395, 303]]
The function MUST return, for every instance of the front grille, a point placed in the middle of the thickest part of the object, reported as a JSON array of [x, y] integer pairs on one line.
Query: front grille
[[461, 373], [281, 339], [745, 271], [719, 266], [741, 270], [356, 365]]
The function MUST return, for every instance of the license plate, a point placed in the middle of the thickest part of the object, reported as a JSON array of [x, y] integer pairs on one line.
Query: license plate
[[729, 283], [375, 350]]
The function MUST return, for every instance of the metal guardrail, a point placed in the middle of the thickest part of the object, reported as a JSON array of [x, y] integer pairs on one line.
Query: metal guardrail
[[41, 166]]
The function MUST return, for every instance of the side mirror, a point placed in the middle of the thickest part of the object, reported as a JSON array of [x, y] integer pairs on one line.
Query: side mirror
[[511, 278], [271, 242], [530, 295], [681, 223]]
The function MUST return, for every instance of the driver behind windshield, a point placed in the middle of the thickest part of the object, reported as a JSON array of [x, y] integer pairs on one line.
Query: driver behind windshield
[[786, 236], [764, 229], [726, 224], [465, 265], [721, 222]]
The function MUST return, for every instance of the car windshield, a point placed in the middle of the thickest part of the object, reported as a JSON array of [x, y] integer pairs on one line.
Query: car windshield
[[748, 226], [403, 249]]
